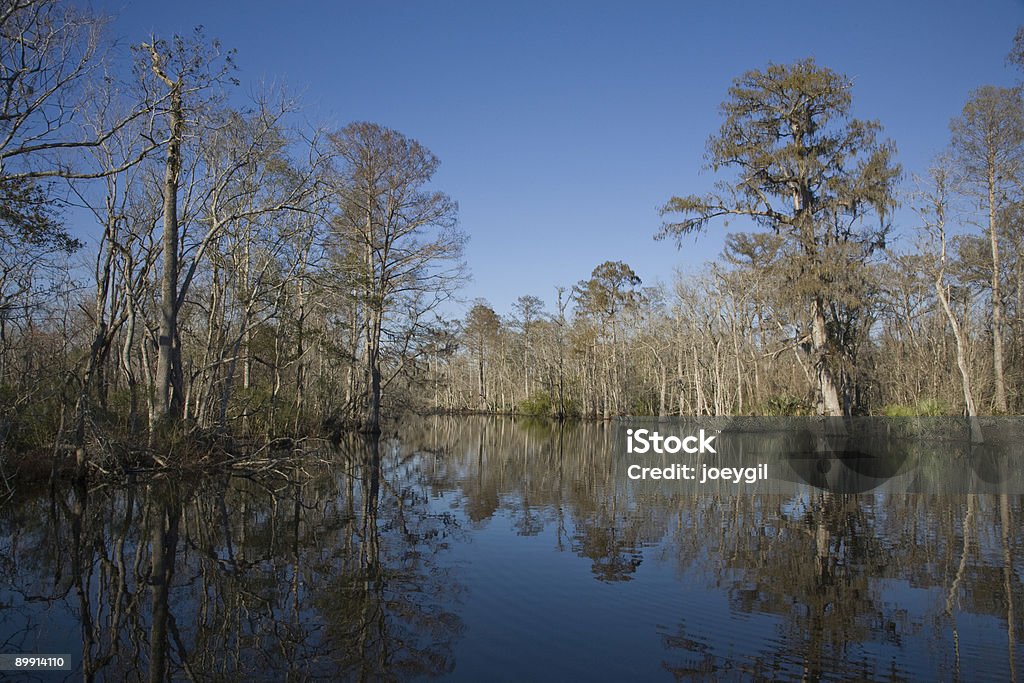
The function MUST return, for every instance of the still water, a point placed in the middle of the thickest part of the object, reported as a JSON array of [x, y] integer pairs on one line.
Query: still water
[[492, 549]]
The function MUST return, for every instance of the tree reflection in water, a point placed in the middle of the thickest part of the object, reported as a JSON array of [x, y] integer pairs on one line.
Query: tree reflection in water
[[825, 575], [357, 564], [330, 572]]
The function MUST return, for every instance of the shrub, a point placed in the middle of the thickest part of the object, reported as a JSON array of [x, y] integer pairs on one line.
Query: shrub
[[786, 406], [538, 404]]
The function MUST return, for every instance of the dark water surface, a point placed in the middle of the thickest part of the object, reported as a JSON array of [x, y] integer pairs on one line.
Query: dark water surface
[[488, 549]]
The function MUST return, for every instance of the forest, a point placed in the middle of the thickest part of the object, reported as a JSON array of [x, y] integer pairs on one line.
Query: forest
[[254, 276]]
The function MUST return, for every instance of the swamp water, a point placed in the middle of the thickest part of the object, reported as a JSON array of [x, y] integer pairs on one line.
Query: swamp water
[[492, 549]]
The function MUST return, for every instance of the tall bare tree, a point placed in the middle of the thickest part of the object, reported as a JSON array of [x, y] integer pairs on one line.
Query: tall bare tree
[[402, 247], [183, 71], [988, 146], [934, 215]]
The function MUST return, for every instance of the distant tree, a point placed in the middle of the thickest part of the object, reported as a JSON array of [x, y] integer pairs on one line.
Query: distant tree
[[1016, 56], [810, 172], [481, 329], [529, 310], [988, 148], [612, 290]]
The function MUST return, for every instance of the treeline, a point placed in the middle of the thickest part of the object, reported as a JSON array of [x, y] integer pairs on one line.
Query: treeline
[[821, 312], [723, 341], [250, 274]]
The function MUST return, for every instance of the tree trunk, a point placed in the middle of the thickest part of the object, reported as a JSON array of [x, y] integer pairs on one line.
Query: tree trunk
[[997, 303], [300, 356], [663, 395], [372, 423], [961, 361], [168, 368], [830, 404]]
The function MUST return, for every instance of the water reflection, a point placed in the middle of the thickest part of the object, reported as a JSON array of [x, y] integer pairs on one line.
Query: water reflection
[[328, 572], [467, 548]]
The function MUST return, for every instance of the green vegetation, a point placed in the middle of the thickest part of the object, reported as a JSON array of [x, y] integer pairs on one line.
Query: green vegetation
[[537, 405], [926, 408], [786, 406]]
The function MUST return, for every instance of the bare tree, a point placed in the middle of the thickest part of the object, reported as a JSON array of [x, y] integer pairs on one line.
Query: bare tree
[[988, 146], [401, 245], [481, 330], [934, 215], [183, 72], [47, 52]]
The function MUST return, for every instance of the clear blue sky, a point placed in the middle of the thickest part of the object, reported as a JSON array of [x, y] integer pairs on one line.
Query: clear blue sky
[[562, 126]]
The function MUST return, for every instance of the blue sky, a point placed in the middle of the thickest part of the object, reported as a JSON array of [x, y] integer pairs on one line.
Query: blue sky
[[562, 126]]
